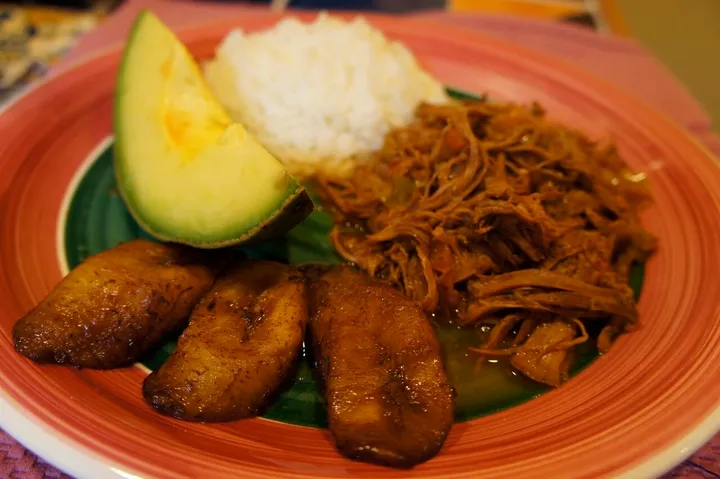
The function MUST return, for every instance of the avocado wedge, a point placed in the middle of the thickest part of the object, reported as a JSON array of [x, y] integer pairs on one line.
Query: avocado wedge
[[186, 171]]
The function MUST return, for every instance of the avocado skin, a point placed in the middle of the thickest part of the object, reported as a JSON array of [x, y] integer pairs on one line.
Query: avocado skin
[[295, 209]]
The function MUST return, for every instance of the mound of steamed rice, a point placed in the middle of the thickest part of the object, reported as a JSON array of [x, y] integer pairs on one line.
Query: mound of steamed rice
[[316, 94]]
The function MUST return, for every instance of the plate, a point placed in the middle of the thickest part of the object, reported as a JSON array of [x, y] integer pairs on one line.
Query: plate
[[636, 411]]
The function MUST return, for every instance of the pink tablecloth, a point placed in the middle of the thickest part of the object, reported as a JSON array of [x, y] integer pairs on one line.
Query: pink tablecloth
[[622, 62]]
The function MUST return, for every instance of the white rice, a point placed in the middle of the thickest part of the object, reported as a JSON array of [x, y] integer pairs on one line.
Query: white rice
[[317, 94]]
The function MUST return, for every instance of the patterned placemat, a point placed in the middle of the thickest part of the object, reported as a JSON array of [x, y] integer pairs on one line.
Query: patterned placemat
[[32, 39], [16, 462], [622, 62]]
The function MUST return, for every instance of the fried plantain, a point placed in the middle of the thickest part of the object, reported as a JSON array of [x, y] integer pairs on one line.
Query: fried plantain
[[376, 355], [239, 348], [117, 304]]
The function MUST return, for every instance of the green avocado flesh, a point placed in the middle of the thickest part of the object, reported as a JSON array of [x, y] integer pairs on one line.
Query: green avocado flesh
[[187, 173]]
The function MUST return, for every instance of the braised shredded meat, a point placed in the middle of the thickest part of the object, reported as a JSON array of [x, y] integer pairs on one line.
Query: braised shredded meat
[[492, 214]]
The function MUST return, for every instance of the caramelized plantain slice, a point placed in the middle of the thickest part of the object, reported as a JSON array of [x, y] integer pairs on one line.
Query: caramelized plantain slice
[[239, 348], [389, 400], [117, 304]]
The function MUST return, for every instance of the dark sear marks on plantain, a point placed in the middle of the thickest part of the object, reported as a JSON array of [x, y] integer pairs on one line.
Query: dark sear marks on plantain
[[389, 400], [117, 304], [376, 355], [239, 348]]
